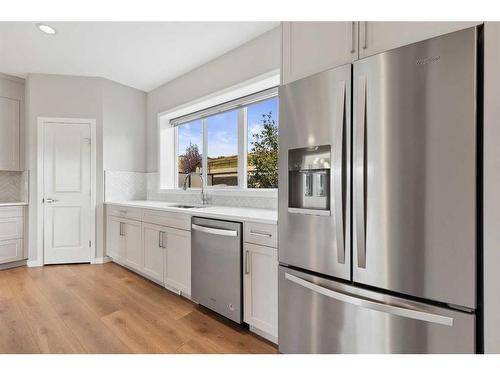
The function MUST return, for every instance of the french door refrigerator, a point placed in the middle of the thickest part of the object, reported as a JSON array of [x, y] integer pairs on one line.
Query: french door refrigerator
[[378, 215]]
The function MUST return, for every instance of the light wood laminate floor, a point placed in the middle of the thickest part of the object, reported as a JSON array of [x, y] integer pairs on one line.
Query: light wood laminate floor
[[108, 309]]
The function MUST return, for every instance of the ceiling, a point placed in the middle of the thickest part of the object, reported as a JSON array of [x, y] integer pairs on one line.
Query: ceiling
[[143, 55]]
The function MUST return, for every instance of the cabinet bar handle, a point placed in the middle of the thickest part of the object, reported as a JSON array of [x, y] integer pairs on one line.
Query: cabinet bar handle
[[247, 264], [262, 234], [353, 32], [365, 38]]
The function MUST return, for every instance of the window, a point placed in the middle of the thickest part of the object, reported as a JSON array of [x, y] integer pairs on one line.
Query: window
[[222, 149], [231, 145], [262, 147], [189, 154]]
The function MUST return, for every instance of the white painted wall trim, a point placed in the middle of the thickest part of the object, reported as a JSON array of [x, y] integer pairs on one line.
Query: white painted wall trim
[[41, 121], [102, 260], [166, 134]]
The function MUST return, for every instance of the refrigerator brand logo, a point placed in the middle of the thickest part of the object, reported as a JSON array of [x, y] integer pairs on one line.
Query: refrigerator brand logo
[[427, 60]]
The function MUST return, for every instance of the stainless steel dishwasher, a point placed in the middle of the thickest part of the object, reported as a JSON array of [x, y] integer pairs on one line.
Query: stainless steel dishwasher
[[216, 266]]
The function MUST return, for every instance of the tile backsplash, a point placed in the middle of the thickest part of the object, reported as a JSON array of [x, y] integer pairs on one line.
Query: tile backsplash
[[13, 186], [235, 198], [124, 186]]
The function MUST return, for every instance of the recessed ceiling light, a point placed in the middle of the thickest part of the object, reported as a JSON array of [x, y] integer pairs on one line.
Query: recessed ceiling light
[[46, 28]]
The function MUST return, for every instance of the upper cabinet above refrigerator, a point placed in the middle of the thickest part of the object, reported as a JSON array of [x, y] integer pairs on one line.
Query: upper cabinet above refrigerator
[[313, 47], [376, 37]]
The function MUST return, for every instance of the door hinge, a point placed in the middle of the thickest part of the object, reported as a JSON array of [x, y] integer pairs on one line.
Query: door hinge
[[90, 243]]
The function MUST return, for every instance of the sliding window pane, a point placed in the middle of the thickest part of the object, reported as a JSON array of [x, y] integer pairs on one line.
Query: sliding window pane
[[262, 121], [222, 149], [190, 148]]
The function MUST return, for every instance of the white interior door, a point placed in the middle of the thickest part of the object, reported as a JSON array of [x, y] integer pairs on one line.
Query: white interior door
[[67, 193]]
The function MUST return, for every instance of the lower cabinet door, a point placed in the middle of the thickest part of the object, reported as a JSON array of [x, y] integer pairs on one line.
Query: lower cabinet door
[[134, 250], [115, 246], [154, 252], [178, 260], [11, 251], [260, 288]]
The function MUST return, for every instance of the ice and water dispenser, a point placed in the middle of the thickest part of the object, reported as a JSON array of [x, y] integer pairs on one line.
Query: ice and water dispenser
[[309, 180]]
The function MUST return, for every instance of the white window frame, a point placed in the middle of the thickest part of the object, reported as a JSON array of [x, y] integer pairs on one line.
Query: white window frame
[[168, 136]]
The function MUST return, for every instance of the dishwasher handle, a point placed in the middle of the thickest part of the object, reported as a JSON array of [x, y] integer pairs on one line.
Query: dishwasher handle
[[216, 231]]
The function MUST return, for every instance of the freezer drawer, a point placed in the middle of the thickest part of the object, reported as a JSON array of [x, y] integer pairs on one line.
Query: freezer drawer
[[322, 316]]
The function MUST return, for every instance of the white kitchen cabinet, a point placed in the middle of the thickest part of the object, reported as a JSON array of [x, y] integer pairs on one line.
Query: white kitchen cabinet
[[177, 244], [9, 134], [115, 247], [11, 234], [260, 288], [312, 47], [154, 251], [11, 251], [134, 250], [376, 37]]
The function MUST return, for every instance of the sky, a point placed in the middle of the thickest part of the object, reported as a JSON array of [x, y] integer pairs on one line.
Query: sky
[[222, 129]]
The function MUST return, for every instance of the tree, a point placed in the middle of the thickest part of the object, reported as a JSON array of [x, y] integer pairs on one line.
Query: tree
[[190, 160], [264, 155]]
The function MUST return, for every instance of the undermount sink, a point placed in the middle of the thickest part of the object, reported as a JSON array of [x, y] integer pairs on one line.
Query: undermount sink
[[184, 206]]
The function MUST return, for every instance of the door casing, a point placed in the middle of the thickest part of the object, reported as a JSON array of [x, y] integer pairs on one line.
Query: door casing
[[41, 122]]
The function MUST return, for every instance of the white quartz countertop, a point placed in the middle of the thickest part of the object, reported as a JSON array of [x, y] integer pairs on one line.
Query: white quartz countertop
[[260, 215], [6, 204]]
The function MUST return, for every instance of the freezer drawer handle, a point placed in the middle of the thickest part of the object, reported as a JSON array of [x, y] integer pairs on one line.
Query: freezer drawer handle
[[372, 305], [218, 232]]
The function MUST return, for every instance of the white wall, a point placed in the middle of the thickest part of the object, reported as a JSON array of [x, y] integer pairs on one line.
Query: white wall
[[124, 130], [258, 56], [112, 105]]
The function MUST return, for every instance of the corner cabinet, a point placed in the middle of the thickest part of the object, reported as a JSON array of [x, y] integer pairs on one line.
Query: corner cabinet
[[10, 115], [312, 47], [124, 241]]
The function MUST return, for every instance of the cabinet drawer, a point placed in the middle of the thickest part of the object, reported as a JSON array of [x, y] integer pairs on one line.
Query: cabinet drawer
[[125, 212], [261, 234], [11, 228], [167, 219], [10, 212], [11, 250]]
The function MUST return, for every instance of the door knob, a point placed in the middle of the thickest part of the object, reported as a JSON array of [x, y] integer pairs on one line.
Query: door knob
[[50, 200]]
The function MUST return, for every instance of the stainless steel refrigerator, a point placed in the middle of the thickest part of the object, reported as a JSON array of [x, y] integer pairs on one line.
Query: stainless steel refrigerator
[[378, 215]]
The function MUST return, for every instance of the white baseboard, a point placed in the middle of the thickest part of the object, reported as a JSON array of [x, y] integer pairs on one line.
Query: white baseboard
[[263, 334], [18, 263], [102, 260], [35, 263]]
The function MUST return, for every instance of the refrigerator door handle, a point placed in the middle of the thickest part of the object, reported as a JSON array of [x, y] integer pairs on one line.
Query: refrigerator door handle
[[373, 305], [338, 166], [359, 171]]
